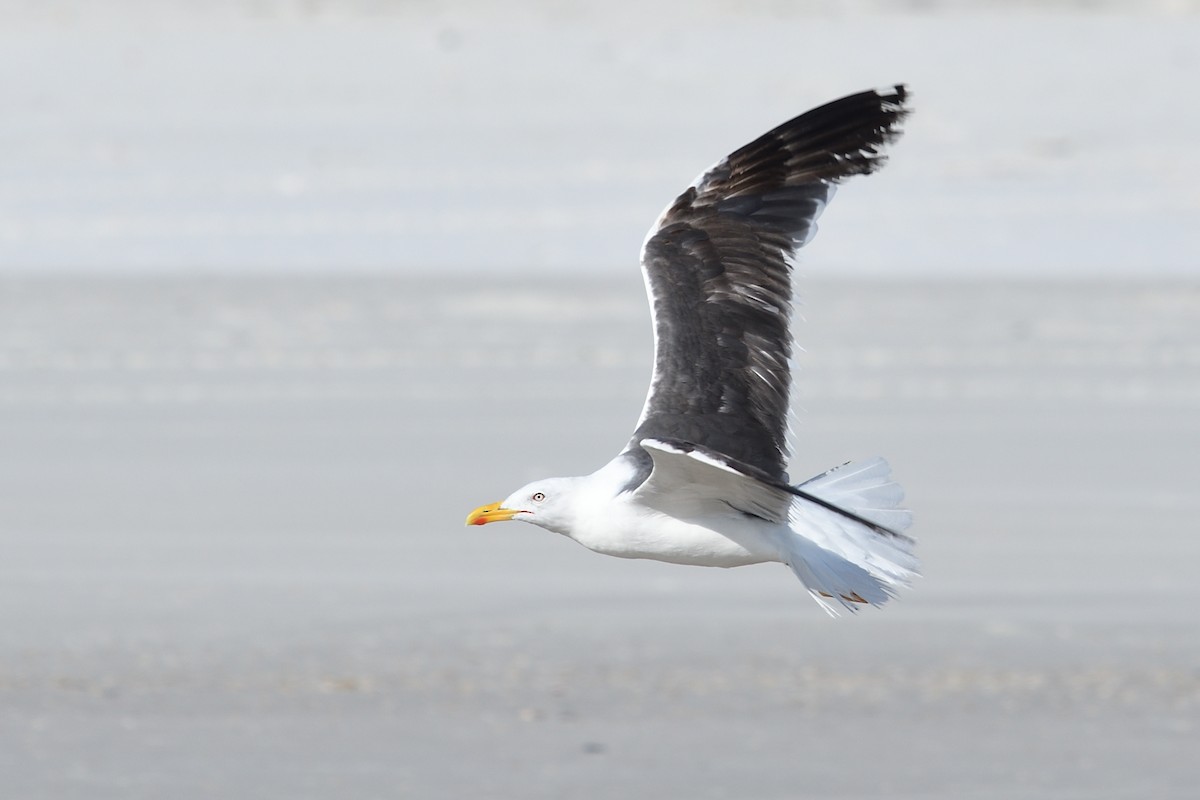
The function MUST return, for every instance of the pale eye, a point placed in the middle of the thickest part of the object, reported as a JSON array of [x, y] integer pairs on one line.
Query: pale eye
[[538, 497]]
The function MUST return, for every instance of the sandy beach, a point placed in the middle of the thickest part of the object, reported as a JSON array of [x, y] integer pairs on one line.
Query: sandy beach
[[234, 562]]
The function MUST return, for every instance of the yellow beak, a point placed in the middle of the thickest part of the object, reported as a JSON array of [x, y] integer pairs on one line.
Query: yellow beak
[[490, 513]]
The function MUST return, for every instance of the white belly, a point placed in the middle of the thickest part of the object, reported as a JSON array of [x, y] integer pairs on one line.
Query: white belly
[[719, 541]]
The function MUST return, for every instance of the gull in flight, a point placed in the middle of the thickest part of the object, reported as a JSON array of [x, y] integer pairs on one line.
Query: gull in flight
[[703, 479]]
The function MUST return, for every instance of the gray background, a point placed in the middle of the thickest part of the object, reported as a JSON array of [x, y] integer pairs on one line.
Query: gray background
[[287, 289]]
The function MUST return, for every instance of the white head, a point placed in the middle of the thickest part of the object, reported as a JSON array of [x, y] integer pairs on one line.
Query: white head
[[546, 503]]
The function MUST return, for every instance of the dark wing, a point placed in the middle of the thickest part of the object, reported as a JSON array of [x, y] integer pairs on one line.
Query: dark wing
[[719, 281]]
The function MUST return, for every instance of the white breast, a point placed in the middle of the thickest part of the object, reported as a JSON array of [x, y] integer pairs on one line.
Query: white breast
[[620, 526]]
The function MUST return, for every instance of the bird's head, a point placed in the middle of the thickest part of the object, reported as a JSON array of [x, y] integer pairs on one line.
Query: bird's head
[[546, 503]]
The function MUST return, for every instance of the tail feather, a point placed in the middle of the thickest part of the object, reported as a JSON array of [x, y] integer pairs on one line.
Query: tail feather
[[864, 488], [842, 561]]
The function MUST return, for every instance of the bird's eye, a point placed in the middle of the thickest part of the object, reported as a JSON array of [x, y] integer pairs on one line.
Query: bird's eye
[[538, 497]]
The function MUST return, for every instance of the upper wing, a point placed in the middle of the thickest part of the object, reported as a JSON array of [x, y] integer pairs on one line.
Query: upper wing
[[717, 274]]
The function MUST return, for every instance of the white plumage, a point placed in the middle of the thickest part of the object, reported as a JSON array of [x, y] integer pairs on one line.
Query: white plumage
[[697, 510]]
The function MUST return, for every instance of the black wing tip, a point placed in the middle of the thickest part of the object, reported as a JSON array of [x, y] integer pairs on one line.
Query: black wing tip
[[894, 101], [897, 93], [859, 126], [894, 109], [828, 144], [888, 105]]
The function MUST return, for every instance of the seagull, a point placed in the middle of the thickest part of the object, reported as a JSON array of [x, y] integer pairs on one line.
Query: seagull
[[703, 479]]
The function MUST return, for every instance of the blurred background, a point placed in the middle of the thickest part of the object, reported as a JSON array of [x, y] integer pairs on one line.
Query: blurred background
[[266, 269], [1051, 138]]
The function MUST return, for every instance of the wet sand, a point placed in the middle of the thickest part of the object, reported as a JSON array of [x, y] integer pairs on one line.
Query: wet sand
[[234, 562]]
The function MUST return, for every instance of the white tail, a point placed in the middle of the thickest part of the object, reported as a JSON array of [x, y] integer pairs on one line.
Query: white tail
[[841, 560]]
